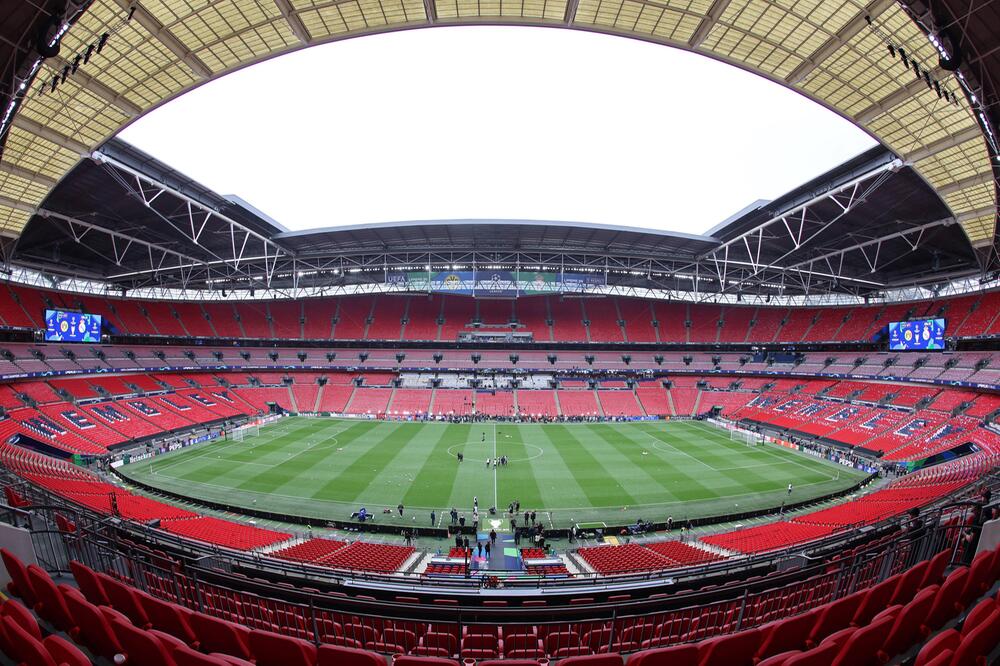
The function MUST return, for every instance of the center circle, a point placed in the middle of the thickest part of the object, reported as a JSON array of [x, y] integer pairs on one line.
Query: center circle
[[454, 449]]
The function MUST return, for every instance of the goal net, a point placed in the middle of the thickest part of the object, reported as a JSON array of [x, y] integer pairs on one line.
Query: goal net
[[745, 437], [239, 434]]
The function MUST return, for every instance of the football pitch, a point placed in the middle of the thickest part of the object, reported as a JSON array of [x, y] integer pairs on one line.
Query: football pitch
[[325, 469]]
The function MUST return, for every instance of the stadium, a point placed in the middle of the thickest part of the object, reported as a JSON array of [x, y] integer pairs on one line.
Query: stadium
[[450, 442]]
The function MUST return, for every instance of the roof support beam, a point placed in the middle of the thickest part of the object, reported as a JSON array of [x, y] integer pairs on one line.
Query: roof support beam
[[571, 7], [106, 159], [294, 22], [971, 181], [21, 172], [104, 92], [76, 224], [167, 38], [29, 125], [957, 139], [905, 234], [977, 213], [16, 205], [912, 88], [848, 32], [715, 12], [791, 214]]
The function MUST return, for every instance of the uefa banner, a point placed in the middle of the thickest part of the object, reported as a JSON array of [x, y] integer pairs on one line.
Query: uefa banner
[[496, 283]]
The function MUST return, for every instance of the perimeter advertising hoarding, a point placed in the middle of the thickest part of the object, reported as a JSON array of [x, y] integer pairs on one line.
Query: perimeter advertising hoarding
[[496, 283]]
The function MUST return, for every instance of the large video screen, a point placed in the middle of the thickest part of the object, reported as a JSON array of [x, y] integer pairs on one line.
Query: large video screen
[[919, 334], [61, 326]]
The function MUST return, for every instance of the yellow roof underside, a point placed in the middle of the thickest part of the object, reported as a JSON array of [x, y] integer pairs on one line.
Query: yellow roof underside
[[822, 48]]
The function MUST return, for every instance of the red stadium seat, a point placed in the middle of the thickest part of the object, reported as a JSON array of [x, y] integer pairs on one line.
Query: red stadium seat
[[185, 656], [271, 649], [935, 569], [834, 616], [946, 641], [947, 601], [22, 646], [65, 653], [593, 660], [906, 630], [140, 647], [335, 655], [875, 601], [217, 635], [978, 643], [92, 628], [678, 655], [19, 585], [861, 649], [89, 584], [170, 618], [786, 635], [424, 661], [50, 604], [124, 599], [731, 650], [981, 577]]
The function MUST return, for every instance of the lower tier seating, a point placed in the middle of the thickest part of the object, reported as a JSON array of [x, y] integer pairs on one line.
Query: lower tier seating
[[225, 533], [953, 618]]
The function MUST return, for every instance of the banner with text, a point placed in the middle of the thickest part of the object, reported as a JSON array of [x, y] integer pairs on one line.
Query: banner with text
[[496, 283]]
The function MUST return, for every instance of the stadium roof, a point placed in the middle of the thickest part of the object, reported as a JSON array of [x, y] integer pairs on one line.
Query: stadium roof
[[837, 53], [131, 221]]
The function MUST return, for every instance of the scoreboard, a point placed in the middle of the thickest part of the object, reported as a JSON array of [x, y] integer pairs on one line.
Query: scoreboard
[[917, 334]]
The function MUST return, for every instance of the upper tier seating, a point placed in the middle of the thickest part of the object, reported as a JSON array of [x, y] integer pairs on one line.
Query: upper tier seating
[[381, 317]]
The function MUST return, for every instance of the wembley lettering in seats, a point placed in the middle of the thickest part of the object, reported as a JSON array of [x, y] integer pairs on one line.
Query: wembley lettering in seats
[[78, 419], [872, 422], [109, 413], [200, 399], [911, 428], [812, 409], [143, 408], [945, 431], [845, 414], [175, 405], [44, 426]]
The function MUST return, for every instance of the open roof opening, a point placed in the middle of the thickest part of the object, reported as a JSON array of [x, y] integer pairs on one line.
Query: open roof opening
[[497, 122]]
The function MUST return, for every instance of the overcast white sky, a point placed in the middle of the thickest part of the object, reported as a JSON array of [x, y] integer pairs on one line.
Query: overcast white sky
[[489, 122]]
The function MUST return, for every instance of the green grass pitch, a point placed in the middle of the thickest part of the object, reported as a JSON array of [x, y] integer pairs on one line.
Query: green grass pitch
[[571, 473]]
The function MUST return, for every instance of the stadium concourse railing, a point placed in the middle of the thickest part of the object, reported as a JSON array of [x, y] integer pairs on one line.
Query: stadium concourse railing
[[622, 625]]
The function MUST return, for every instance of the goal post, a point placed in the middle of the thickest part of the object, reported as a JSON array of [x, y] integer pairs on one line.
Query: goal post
[[745, 437], [249, 430]]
